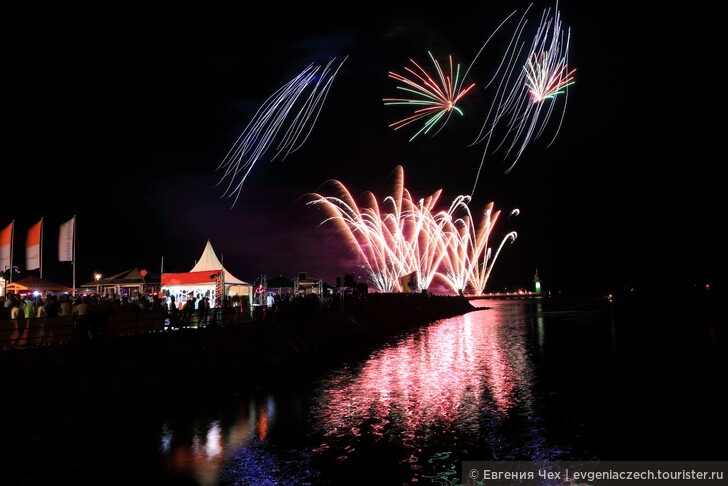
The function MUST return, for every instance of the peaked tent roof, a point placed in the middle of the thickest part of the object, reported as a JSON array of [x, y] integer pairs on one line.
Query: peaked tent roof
[[208, 262], [33, 283], [129, 277]]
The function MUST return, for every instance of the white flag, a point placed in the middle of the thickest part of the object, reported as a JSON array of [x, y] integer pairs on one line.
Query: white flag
[[65, 241]]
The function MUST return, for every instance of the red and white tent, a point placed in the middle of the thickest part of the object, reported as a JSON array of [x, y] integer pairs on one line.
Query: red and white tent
[[200, 281]]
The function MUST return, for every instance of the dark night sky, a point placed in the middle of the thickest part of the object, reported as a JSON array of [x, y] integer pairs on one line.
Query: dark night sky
[[120, 113]]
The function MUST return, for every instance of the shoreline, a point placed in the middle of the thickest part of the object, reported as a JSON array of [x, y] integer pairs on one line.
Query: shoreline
[[161, 364]]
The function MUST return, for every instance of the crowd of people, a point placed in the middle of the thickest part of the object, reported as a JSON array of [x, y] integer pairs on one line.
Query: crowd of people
[[33, 306], [91, 316], [95, 308]]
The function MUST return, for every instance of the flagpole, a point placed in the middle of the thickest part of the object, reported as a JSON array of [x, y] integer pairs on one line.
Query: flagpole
[[12, 234], [40, 253], [73, 259]]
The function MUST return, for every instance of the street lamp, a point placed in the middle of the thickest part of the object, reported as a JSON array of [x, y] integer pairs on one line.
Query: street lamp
[[97, 277], [144, 281]]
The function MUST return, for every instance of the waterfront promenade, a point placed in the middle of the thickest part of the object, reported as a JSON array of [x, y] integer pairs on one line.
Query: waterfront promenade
[[150, 351], [103, 319]]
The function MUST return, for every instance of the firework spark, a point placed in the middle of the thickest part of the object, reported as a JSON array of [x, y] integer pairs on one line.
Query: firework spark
[[435, 98], [528, 90], [547, 77], [405, 236], [469, 261], [281, 125]]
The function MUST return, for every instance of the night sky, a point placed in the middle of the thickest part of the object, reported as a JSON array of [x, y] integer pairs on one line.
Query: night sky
[[119, 113]]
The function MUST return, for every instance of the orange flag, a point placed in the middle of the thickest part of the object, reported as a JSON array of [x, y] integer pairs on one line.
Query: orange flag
[[6, 246], [32, 246]]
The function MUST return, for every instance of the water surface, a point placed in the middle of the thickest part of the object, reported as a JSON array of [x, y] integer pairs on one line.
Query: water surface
[[534, 379]]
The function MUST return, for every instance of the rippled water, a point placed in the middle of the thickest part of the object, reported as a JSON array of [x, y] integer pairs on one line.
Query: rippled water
[[409, 412], [521, 380], [461, 387]]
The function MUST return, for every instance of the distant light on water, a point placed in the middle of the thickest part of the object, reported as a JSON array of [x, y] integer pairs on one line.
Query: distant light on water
[[213, 444]]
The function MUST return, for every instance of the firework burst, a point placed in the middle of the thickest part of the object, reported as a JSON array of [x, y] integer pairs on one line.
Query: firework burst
[[280, 126], [404, 236], [547, 77], [435, 97], [530, 82]]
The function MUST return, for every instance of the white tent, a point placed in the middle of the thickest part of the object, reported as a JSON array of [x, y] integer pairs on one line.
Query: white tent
[[209, 262], [201, 280]]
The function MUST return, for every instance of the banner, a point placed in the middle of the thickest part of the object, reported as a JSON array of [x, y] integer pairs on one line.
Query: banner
[[189, 278], [6, 246], [32, 247], [65, 241]]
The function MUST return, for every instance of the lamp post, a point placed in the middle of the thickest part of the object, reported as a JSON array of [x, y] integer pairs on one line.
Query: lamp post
[[144, 282], [97, 277]]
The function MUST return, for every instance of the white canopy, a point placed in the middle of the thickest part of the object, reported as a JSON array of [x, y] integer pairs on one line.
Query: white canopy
[[209, 262]]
